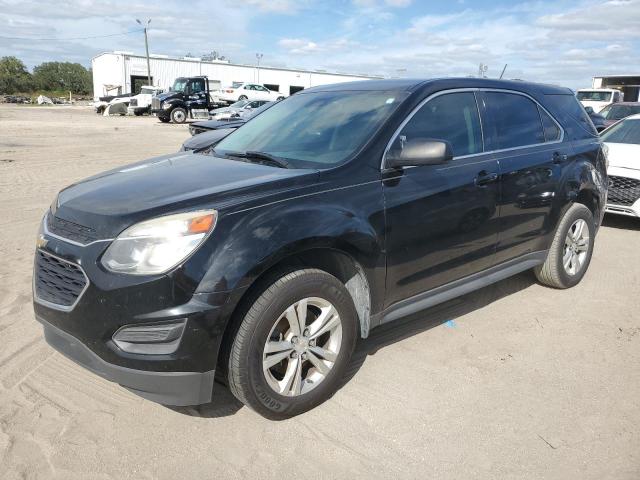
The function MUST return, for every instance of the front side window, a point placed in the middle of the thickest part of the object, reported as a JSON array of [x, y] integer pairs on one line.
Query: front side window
[[315, 130], [626, 131], [514, 121], [197, 86], [452, 117]]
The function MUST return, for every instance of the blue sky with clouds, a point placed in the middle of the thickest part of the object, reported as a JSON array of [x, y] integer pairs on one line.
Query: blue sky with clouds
[[564, 42]]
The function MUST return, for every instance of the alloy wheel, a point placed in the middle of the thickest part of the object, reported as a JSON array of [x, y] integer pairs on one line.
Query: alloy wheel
[[302, 346], [576, 247]]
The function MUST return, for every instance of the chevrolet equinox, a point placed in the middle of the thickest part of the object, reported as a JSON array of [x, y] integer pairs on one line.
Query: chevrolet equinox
[[262, 260]]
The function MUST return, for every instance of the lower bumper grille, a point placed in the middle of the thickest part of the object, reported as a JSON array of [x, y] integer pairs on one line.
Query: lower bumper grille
[[623, 190], [57, 281]]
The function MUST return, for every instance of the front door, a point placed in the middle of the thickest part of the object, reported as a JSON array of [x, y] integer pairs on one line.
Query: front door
[[442, 221]]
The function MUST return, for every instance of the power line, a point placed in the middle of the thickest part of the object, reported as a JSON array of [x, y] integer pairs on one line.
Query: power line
[[70, 38]]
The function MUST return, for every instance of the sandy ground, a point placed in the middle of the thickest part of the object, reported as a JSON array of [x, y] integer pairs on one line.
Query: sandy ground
[[525, 382]]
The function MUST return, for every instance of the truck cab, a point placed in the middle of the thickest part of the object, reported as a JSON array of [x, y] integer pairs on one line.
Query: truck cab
[[141, 103], [188, 97], [598, 98]]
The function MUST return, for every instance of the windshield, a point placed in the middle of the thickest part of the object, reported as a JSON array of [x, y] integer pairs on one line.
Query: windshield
[[627, 131], [315, 130], [179, 84], [239, 104], [618, 112], [594, 96]]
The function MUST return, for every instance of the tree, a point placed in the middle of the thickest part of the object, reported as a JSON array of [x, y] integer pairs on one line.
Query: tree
[[66, 76], [14, 76]]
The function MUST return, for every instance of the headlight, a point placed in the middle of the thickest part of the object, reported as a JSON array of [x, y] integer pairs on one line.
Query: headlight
[[166, 105], [157, 245]]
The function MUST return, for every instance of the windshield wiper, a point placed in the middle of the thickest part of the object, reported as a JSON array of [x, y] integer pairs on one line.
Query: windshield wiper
[[265, 157]]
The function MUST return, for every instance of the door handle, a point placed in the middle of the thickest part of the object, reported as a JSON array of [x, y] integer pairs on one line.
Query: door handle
[[485, 178], [559, 157]]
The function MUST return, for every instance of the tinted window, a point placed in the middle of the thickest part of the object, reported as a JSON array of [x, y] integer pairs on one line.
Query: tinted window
[[551, 130], [452, 117], [618, 112], [626, 131], [197, 86], [569, 111], [515, 120]]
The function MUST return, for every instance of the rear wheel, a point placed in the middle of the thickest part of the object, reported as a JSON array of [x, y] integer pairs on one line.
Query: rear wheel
[[242, 97], [571, 250], [293, 346], [279, 98], [178, 115]]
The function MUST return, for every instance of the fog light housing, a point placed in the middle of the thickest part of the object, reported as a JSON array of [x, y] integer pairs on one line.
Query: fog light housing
[[156, 339]]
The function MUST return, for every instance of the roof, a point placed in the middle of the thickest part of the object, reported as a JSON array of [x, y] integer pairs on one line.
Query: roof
[[411, 85]]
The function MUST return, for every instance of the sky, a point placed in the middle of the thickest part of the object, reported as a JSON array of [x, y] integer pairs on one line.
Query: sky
[[560, 42]]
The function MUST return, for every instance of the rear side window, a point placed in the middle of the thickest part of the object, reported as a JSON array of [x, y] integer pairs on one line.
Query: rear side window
[[569, 111], [514, 119], [551, 131], [452, 117]]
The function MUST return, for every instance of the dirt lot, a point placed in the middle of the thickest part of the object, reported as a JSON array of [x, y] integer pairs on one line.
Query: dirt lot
[[514, 381]]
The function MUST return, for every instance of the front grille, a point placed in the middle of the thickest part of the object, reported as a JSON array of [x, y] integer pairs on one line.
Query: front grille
[[133, 102], [623, 190], [155, 104], [57, 281], [70, 231]]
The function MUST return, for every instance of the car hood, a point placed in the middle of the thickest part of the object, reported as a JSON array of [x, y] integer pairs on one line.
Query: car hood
[[114, 200], [167, 95], [624, 155], [205, 139], [215, 124]]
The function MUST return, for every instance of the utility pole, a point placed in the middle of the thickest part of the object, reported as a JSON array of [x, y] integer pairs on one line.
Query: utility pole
[[259, 57], [146, 47]]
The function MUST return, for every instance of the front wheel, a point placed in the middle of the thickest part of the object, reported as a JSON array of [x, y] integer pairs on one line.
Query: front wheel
[[293, 346], [279, 98], [571, 249], [242, 97], [178, 115]]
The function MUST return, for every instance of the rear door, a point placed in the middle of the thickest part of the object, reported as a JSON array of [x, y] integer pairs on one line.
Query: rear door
[[441, 219], [527, 143]]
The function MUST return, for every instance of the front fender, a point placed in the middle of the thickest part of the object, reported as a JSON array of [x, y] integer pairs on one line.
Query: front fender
[[248, 243]]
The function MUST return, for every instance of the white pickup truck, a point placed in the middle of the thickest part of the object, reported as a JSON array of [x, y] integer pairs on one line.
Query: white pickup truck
[[598, 98], [141, 103]]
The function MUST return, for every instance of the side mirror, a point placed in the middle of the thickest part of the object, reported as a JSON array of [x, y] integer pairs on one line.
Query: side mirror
[[589, 110], [420, 151]]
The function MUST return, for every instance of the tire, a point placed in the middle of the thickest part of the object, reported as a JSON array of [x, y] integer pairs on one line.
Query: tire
[[279, 98], [164, 120], [178, 115], [242, 97], [254, 385], [554, 272]]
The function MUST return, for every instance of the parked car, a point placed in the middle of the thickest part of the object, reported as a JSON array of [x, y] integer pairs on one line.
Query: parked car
[[597, 119], [598, 98], [237, 109], [207, 134], [623, 143], [247, 91], [343, 208], [618, 111], [140, 104]]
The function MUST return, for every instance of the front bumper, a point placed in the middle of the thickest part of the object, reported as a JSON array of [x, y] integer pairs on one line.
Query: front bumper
[[167, 388], [86, 330]]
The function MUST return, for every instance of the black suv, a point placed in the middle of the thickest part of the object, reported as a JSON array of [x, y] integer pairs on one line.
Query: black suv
[[342, 208]]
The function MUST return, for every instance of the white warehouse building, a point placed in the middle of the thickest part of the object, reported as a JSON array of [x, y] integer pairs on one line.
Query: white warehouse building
[[124, 72]]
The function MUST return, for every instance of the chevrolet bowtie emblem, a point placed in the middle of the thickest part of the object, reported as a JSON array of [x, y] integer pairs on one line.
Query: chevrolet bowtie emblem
[[41, 242]]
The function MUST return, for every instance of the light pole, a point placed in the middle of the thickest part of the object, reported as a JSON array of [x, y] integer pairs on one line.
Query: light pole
[[146, 47], [259, 57]]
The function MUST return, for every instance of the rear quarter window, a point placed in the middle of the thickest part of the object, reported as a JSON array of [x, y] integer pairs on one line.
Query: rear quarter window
[[571, 114], [514, 121]]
